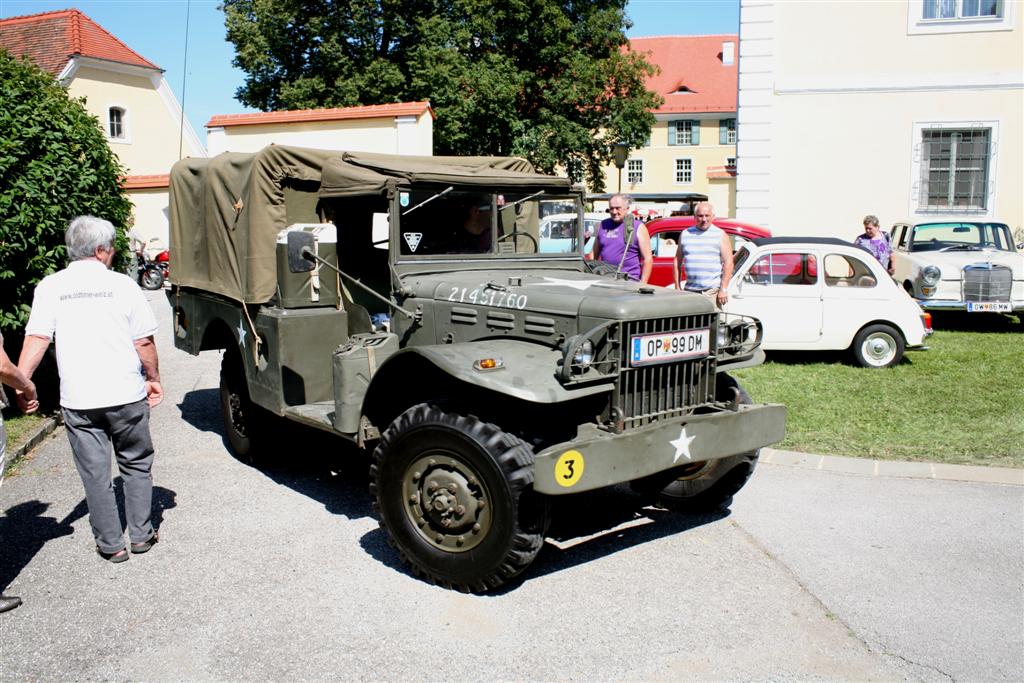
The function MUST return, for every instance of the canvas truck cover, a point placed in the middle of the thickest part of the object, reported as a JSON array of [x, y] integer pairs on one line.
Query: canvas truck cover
[[226, 211]]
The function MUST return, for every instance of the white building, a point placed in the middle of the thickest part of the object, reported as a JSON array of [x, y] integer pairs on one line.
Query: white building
[[904, 109]]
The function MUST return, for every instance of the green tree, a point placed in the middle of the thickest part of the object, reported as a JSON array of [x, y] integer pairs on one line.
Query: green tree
[[54, 165], [542, 79]]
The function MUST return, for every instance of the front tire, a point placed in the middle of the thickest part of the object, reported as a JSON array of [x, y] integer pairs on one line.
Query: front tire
[[455, 496], [152, 279], [706, 486], [877, 346]]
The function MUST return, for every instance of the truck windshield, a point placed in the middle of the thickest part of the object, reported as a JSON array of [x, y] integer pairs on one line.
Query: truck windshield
[[960, 236], [444, 222]]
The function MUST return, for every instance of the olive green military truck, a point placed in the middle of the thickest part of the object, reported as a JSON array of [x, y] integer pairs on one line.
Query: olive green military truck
[[411, 305]]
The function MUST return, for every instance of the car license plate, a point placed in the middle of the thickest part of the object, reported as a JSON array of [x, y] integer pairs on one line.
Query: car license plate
[[669, 346], [988, 306]]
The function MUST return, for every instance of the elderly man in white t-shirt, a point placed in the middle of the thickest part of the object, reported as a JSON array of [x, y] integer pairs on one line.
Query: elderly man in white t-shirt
[[109, 380]]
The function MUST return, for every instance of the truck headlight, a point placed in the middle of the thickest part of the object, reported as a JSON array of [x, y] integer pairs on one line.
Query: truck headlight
[[584, 355], [930, 275]]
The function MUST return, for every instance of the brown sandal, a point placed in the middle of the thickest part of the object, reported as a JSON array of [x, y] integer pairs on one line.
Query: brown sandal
[[139, 548], [115, 557]]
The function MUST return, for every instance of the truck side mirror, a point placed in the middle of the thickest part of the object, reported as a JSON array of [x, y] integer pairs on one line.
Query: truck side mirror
[[299, 241]]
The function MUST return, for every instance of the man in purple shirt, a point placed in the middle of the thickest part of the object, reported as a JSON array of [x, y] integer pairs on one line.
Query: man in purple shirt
[[610, 241]]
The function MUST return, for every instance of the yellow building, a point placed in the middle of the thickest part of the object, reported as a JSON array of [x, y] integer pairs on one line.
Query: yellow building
[[692, 147], [139, 113], [906, 110]]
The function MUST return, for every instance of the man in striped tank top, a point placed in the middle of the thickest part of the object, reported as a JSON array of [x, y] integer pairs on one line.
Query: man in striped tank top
[[706, 254]]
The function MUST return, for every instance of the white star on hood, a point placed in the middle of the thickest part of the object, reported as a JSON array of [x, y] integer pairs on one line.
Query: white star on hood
[[574, 284], [241, 333]]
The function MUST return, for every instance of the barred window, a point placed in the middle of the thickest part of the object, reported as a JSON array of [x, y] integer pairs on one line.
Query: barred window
[[962, 9], [954, 168], [634, 171], [684, 171]]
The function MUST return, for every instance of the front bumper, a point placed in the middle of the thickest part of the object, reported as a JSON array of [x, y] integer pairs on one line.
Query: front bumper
[[596, 458], [951, 305]]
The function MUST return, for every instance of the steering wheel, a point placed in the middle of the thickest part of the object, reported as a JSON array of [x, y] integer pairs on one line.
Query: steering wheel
[[533, 239]]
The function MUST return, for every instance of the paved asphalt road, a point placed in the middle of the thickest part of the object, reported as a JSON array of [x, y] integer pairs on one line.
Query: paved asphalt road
[[282, 573]]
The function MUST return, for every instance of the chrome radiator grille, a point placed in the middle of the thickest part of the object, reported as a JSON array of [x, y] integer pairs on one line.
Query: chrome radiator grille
[[649, 393], [987, 283]]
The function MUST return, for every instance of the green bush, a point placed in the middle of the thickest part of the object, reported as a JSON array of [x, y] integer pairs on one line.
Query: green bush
[[54, 165]]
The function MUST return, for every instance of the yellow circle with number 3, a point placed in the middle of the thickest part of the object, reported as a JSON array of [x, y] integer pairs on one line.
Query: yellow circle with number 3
[[569, 468]]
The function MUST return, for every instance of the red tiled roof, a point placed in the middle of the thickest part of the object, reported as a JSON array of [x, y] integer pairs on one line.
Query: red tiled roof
[[370, 111], [693, 62], [146, 182], [52, 38], [721, 171]]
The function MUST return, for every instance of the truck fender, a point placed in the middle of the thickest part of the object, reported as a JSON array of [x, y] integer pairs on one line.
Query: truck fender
[[524, 371]]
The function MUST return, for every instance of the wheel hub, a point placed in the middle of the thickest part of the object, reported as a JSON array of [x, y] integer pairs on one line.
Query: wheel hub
[[879, 349], [446, 502]]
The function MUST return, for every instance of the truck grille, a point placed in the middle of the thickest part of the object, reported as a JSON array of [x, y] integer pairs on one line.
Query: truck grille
[[649, 393], [985, 282]]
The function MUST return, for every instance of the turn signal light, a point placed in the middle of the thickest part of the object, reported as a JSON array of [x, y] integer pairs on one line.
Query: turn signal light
[[926, 318], [484, 364]]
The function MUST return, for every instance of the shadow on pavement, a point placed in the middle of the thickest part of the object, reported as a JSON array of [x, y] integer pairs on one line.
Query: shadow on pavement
[[201, 409], [584, 527], [24, 531], [335, 473]]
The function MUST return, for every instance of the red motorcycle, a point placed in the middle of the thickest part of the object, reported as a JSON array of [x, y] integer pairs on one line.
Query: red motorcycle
[[153, 271]]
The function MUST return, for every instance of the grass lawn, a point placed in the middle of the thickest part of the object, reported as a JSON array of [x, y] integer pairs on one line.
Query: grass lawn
[[961, 401], [19, 429]]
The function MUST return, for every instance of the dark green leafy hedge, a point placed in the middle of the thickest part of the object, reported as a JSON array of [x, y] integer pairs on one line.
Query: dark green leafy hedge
[[54, 165]]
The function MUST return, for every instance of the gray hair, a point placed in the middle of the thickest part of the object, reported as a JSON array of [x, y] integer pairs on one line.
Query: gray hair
[[704, 203], [871, 219], [86, 234], [626, 199]]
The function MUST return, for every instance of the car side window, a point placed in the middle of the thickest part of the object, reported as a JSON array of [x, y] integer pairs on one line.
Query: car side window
[[784, 269], [899, 236], [664, 243], [847, 271]]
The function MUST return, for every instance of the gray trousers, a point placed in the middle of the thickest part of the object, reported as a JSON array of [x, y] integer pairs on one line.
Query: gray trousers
[[91, 433]]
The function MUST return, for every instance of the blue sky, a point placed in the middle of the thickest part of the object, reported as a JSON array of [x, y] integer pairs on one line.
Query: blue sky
[[156, 30]]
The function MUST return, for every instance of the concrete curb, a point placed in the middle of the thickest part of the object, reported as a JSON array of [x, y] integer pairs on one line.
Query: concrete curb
[[44, 430], [894, 468]]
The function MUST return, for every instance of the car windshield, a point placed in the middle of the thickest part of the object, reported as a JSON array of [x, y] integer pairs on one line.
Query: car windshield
[[960, 236], [447, 221]]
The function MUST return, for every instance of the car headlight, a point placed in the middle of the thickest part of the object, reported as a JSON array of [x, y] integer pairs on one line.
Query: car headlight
[[930, 275], [584, 355]]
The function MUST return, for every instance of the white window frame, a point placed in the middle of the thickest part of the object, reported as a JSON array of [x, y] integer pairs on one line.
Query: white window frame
[[917, 153], [683, 137], [918, 25], [675, 171], [126, 129], [730, 134], [631, 171], [730, 161]]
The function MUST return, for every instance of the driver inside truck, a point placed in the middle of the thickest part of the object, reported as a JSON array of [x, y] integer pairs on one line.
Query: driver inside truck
[[474, 237]]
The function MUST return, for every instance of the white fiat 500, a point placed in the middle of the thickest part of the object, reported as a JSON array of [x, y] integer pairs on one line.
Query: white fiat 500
[[960, 265], [825, 294]]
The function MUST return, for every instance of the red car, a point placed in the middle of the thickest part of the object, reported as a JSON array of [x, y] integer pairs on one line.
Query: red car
[[665, 236]]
